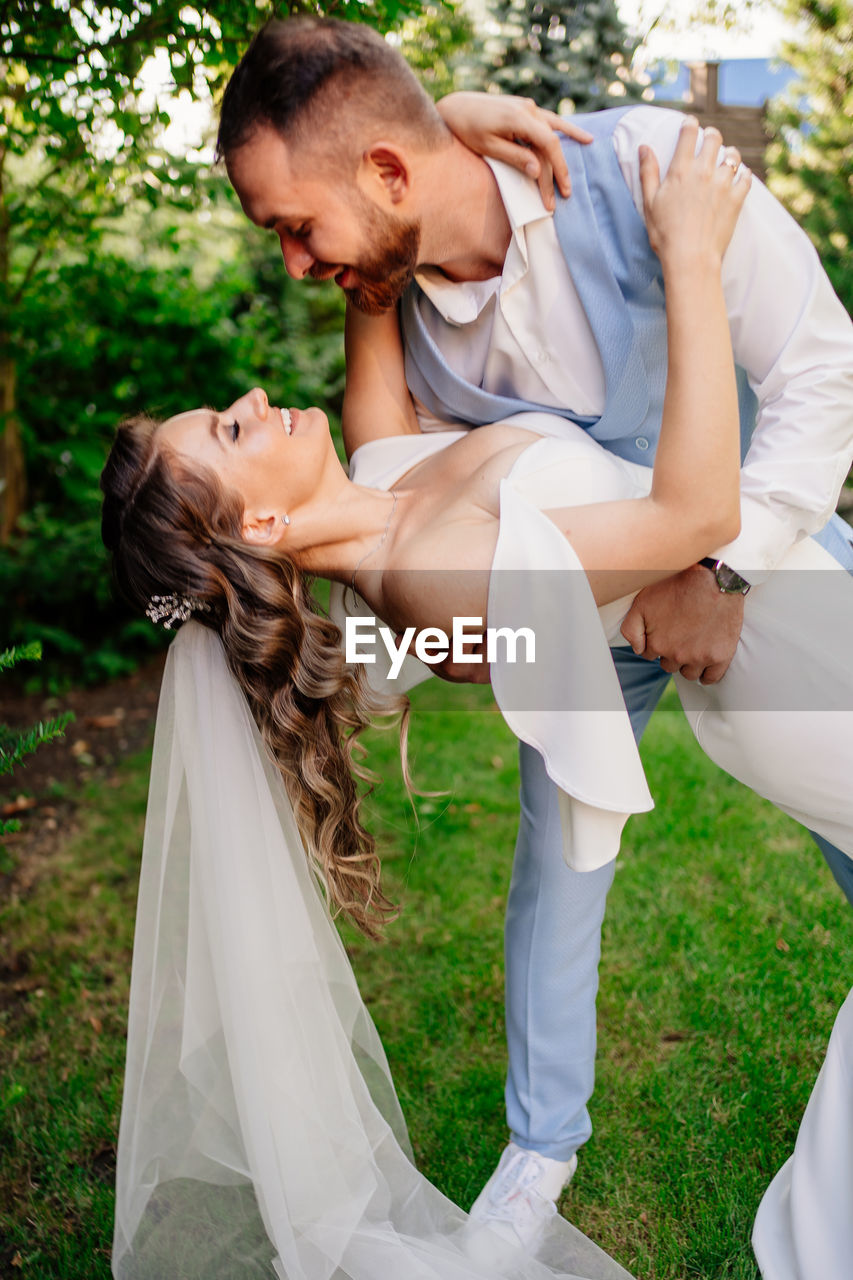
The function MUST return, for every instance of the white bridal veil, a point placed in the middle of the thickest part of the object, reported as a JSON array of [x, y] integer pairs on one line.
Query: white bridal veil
[[260, 1133]]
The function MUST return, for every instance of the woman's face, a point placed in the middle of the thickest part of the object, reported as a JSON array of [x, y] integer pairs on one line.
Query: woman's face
[[272, 458]]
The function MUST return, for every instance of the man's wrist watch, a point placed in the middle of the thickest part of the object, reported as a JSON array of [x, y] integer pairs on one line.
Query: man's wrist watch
[[729, 582]]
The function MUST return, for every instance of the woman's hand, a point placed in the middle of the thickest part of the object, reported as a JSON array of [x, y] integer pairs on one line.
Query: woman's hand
[[516, 131], [691, 215]]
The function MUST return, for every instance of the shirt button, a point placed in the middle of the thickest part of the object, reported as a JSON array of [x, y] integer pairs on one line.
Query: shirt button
[[542, 357], [642, 443]]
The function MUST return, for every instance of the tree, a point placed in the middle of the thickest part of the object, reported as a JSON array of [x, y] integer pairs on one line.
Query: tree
[[79, 134], [553, 52], [810, 161], [438, 43]]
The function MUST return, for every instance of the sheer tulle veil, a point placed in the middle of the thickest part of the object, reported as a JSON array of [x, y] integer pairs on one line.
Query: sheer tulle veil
[[260, 1132]]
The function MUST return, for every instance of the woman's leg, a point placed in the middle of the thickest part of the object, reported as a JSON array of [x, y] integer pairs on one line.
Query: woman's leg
[[781, 720]]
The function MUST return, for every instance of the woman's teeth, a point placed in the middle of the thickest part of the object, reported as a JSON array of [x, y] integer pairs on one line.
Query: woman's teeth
[[285, 420]]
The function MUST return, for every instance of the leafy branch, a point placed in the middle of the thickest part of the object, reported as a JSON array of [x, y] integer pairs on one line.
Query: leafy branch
[[15, 744]]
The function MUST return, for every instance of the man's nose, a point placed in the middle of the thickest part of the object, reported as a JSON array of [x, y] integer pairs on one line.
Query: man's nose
[[297, 259]]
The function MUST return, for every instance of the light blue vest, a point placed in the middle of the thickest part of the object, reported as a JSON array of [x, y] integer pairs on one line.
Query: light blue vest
[[620, 284]]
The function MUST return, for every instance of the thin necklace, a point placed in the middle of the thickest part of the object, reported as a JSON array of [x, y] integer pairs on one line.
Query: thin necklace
[[373, 550]]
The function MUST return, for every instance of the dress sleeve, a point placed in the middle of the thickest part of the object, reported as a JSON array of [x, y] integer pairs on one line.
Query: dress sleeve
[[566, 702]]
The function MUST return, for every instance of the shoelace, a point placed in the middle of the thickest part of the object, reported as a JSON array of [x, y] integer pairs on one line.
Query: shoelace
[[513, 1195]]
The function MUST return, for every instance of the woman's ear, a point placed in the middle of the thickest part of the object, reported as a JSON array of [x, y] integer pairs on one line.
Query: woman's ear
[[262, 531], [387, 166]]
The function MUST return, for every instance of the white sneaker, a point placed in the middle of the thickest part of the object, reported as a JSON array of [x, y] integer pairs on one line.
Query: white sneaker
[[520, 1197]]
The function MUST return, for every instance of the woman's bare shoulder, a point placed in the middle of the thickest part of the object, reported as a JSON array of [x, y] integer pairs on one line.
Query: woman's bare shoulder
[[441, 570]]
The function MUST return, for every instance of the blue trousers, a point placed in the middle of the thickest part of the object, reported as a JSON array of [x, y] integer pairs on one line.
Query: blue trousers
[[553, 936]]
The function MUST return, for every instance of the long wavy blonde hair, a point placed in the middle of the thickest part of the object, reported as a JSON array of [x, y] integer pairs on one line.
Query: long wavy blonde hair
[[175, 530]]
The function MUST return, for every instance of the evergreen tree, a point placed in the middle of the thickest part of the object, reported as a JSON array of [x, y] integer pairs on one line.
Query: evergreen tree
[[555, 52], [810, 162]]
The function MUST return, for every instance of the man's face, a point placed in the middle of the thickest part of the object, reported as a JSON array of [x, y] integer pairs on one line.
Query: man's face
[[327, 229]]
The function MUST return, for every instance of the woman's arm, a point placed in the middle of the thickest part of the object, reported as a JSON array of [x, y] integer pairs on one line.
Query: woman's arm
[[694, 504], [376, 399], [516, 131]]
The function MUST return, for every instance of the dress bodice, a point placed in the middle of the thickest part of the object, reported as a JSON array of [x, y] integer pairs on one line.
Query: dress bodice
[[567, 702], [569, 470]]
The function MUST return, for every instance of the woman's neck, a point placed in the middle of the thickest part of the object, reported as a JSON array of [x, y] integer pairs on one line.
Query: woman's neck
[[353, 528]]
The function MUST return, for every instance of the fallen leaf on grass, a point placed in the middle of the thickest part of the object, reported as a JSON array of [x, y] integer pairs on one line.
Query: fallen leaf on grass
[[104, 722], [19, 805]]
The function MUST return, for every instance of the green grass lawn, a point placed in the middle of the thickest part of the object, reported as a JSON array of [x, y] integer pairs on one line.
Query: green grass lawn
[[727, 953]]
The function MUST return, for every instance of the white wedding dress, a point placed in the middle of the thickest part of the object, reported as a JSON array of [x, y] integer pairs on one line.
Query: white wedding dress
[[804, 1226], [260, 1133]]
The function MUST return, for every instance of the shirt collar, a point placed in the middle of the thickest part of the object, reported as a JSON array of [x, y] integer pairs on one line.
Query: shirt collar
[[461, 302]]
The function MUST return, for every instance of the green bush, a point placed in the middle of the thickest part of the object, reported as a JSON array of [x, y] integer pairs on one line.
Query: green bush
[[101, 339]]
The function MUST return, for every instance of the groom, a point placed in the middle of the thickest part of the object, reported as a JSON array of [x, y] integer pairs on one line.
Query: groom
[[330, 142]]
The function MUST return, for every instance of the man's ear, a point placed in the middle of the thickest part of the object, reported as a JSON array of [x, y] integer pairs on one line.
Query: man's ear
[[387, 165], [263, 531]]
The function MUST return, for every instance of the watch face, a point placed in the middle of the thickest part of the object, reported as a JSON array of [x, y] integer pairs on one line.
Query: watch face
[[728, 580]]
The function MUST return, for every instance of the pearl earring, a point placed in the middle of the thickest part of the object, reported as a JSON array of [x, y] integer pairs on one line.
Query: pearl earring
[[285, 519]]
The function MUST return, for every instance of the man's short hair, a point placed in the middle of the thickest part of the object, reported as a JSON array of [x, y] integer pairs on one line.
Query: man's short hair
[[325, 81]]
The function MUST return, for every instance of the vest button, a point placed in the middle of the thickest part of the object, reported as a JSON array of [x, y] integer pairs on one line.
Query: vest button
[[642, 443]]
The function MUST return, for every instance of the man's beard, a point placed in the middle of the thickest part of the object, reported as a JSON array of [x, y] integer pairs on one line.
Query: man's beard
[[386, 272]]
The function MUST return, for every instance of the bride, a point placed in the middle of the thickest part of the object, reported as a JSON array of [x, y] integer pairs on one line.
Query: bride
[[260, 1133]]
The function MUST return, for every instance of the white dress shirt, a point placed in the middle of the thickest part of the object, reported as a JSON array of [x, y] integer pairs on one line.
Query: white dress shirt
[[525, 334]]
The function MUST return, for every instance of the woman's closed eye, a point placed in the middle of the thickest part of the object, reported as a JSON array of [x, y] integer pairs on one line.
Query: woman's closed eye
[[234, 428]]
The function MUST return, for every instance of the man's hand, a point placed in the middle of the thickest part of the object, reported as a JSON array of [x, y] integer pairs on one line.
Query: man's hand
[[688, 623], [463, 672], [460, 672]]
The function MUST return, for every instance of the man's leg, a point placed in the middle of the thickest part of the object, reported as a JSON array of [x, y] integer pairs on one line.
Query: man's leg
[[553, 939], [553, 942], [839, 864], [837, 539]]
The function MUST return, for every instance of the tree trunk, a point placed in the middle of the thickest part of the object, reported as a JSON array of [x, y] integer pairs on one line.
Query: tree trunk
[[12, 473]]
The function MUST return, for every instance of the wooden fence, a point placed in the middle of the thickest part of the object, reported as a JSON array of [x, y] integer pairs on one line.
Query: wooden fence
[[741, 127]]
